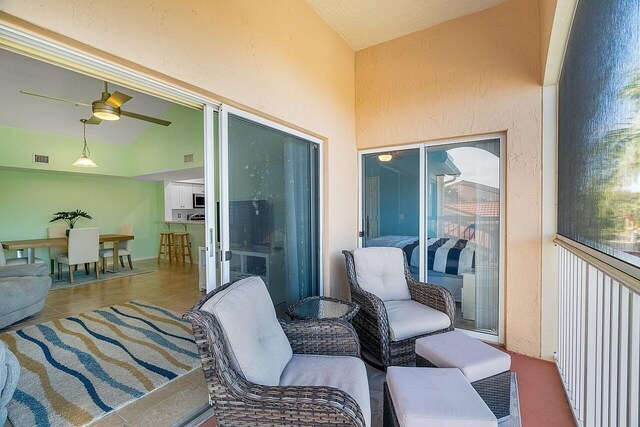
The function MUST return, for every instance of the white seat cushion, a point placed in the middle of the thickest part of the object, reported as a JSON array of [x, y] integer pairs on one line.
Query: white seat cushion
[[430, 397], [259, 347], [454, 349], [409, 318], [381, 272], [344, 373]]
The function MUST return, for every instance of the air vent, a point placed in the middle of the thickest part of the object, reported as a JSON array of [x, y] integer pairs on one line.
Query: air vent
[[40, 158], [188, 158]]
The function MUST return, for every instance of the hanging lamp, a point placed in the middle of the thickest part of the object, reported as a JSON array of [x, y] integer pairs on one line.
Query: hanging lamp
[[85, 161]]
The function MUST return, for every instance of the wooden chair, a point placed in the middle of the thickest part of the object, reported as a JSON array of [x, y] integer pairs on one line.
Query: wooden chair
[[165, 247], [181, 247], [84, 244], [124, 249]]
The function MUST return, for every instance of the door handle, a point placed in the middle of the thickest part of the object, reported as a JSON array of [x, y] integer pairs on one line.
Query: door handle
[[366, 226], [228, 255]]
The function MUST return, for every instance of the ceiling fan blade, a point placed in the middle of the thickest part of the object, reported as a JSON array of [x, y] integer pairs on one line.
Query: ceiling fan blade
[[145, 118], [117, 99], [76, 103], [94, 121]]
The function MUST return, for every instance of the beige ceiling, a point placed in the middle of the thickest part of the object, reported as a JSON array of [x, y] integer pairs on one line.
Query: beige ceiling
[[364, 23]]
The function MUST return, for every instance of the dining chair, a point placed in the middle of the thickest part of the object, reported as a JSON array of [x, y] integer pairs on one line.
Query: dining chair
[[56, 251], [124, 248], [83, 247]]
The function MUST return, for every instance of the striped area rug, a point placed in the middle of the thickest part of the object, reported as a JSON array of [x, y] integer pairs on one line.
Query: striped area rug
[[76, 370]]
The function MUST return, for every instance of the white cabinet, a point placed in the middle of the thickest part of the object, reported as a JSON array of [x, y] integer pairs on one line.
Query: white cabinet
[[198, 188], [181, 195]]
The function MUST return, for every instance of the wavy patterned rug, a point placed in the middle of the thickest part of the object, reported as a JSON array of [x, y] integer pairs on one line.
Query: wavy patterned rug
[[78, 369]]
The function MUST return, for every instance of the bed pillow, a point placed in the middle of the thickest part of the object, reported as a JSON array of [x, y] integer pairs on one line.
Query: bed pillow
[[381, 272]]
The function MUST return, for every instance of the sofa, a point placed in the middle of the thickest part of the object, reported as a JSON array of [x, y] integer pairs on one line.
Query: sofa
[[23, 289]]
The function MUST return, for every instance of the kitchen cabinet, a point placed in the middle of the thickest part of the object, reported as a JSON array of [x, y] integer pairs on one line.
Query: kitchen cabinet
[[198, 188], [181, 195]]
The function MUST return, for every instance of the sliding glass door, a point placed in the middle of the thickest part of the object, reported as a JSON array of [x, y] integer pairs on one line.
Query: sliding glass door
[[442, 205], [270, 207]]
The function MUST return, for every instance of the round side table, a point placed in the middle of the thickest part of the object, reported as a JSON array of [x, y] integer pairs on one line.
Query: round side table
[[323, 308]]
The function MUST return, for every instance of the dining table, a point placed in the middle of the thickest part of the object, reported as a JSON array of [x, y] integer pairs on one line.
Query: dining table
[[30, 244]]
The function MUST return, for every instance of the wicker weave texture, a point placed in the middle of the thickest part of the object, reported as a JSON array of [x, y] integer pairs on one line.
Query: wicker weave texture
[[495, 390], [372, 323], [238, 402]]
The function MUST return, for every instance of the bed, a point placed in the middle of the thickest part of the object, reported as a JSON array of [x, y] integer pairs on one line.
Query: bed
[[447, 258]]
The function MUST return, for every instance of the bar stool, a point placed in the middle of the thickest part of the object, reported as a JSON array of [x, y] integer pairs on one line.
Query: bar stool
[[165, 249], [182, 247]]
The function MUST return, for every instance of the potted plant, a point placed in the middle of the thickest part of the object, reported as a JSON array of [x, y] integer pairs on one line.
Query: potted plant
[[70, 217]]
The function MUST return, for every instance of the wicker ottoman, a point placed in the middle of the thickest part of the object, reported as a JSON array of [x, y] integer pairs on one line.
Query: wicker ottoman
[[417, 397], [486, 368]]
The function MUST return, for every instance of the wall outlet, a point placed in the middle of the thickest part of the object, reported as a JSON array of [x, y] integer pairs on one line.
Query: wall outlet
[[40, 158], [188, 158], [179, 215]]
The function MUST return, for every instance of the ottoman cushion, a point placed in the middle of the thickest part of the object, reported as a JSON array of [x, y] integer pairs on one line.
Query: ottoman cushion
[[436, 397], [454, 349]]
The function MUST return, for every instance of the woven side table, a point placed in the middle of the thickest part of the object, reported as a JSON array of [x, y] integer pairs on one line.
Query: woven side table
[[323, 308]]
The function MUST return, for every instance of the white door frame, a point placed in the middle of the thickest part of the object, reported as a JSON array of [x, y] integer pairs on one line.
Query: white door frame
[[423, 206], [225, 110]]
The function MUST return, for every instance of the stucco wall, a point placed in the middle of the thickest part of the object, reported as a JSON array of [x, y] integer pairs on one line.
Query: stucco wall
[[277, 57], [477, 74]]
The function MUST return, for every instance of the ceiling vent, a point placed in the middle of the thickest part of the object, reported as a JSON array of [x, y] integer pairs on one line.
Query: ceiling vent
[[188, 158], [40, 158]]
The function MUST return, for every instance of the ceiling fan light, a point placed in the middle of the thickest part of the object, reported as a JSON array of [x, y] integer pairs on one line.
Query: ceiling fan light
[[106, 115], [85, 162], [385, 157]]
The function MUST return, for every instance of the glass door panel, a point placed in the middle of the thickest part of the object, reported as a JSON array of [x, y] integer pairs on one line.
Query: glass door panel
[[463, 229], [391, 202], [271, 209]]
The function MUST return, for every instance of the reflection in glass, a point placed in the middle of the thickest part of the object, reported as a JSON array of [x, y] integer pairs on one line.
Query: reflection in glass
[[392, 202], [273, 210], [463, 229]]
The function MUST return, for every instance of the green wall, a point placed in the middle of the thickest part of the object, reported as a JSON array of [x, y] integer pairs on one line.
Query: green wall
[[158, 149], [28, 200], [161, 149], [17, 147]]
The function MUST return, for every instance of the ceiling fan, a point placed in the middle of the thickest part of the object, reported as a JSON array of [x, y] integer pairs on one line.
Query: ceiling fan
[[106, 108]]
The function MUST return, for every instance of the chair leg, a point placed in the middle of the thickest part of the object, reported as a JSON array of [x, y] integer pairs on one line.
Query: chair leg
[[104, 260], [52, 270], [71, 268], [121, 261], [86, 268], [75, 267], [59, 271], [97, 270], [130, 263]]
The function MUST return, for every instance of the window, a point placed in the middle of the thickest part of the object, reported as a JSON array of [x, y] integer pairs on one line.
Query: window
[[599, 130]]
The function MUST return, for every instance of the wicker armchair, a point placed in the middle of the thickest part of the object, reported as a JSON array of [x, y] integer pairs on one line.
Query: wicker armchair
[[239, 402], [372, 323]]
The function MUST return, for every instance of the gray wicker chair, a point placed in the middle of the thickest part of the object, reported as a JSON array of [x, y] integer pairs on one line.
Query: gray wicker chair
[[238, 402], [372, 323]]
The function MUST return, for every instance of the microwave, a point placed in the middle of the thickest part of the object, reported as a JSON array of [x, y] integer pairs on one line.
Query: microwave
[[198, 200]]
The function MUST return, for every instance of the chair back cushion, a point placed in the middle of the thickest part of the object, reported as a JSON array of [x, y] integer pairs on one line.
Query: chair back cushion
[[258, 347], [381, 272], [126, 229], [56, 231], [83, 245]]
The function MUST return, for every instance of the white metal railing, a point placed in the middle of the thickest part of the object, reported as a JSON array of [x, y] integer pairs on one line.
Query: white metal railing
[[598, 354]]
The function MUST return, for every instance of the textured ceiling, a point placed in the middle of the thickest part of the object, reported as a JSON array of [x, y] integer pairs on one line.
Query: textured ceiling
[[59, 118], [364, 23]]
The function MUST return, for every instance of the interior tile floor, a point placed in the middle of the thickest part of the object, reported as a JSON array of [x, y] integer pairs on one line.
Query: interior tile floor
[[175, 286]]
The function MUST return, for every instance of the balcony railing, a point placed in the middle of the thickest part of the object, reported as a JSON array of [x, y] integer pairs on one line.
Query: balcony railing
[[598, 353]]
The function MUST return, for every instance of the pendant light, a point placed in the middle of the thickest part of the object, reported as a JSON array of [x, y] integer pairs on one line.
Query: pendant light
[[387, 157], [85, 161]]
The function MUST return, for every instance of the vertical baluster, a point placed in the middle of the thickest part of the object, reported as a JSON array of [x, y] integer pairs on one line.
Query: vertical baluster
[[598, 350], [582, 350], [613, 349], [604, 350], [634, 360], [589, 394], [623, 357]]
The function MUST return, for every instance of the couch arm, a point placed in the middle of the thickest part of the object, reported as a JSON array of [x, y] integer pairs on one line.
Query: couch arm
[[24, 270], [331, 337], [433, 296]]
